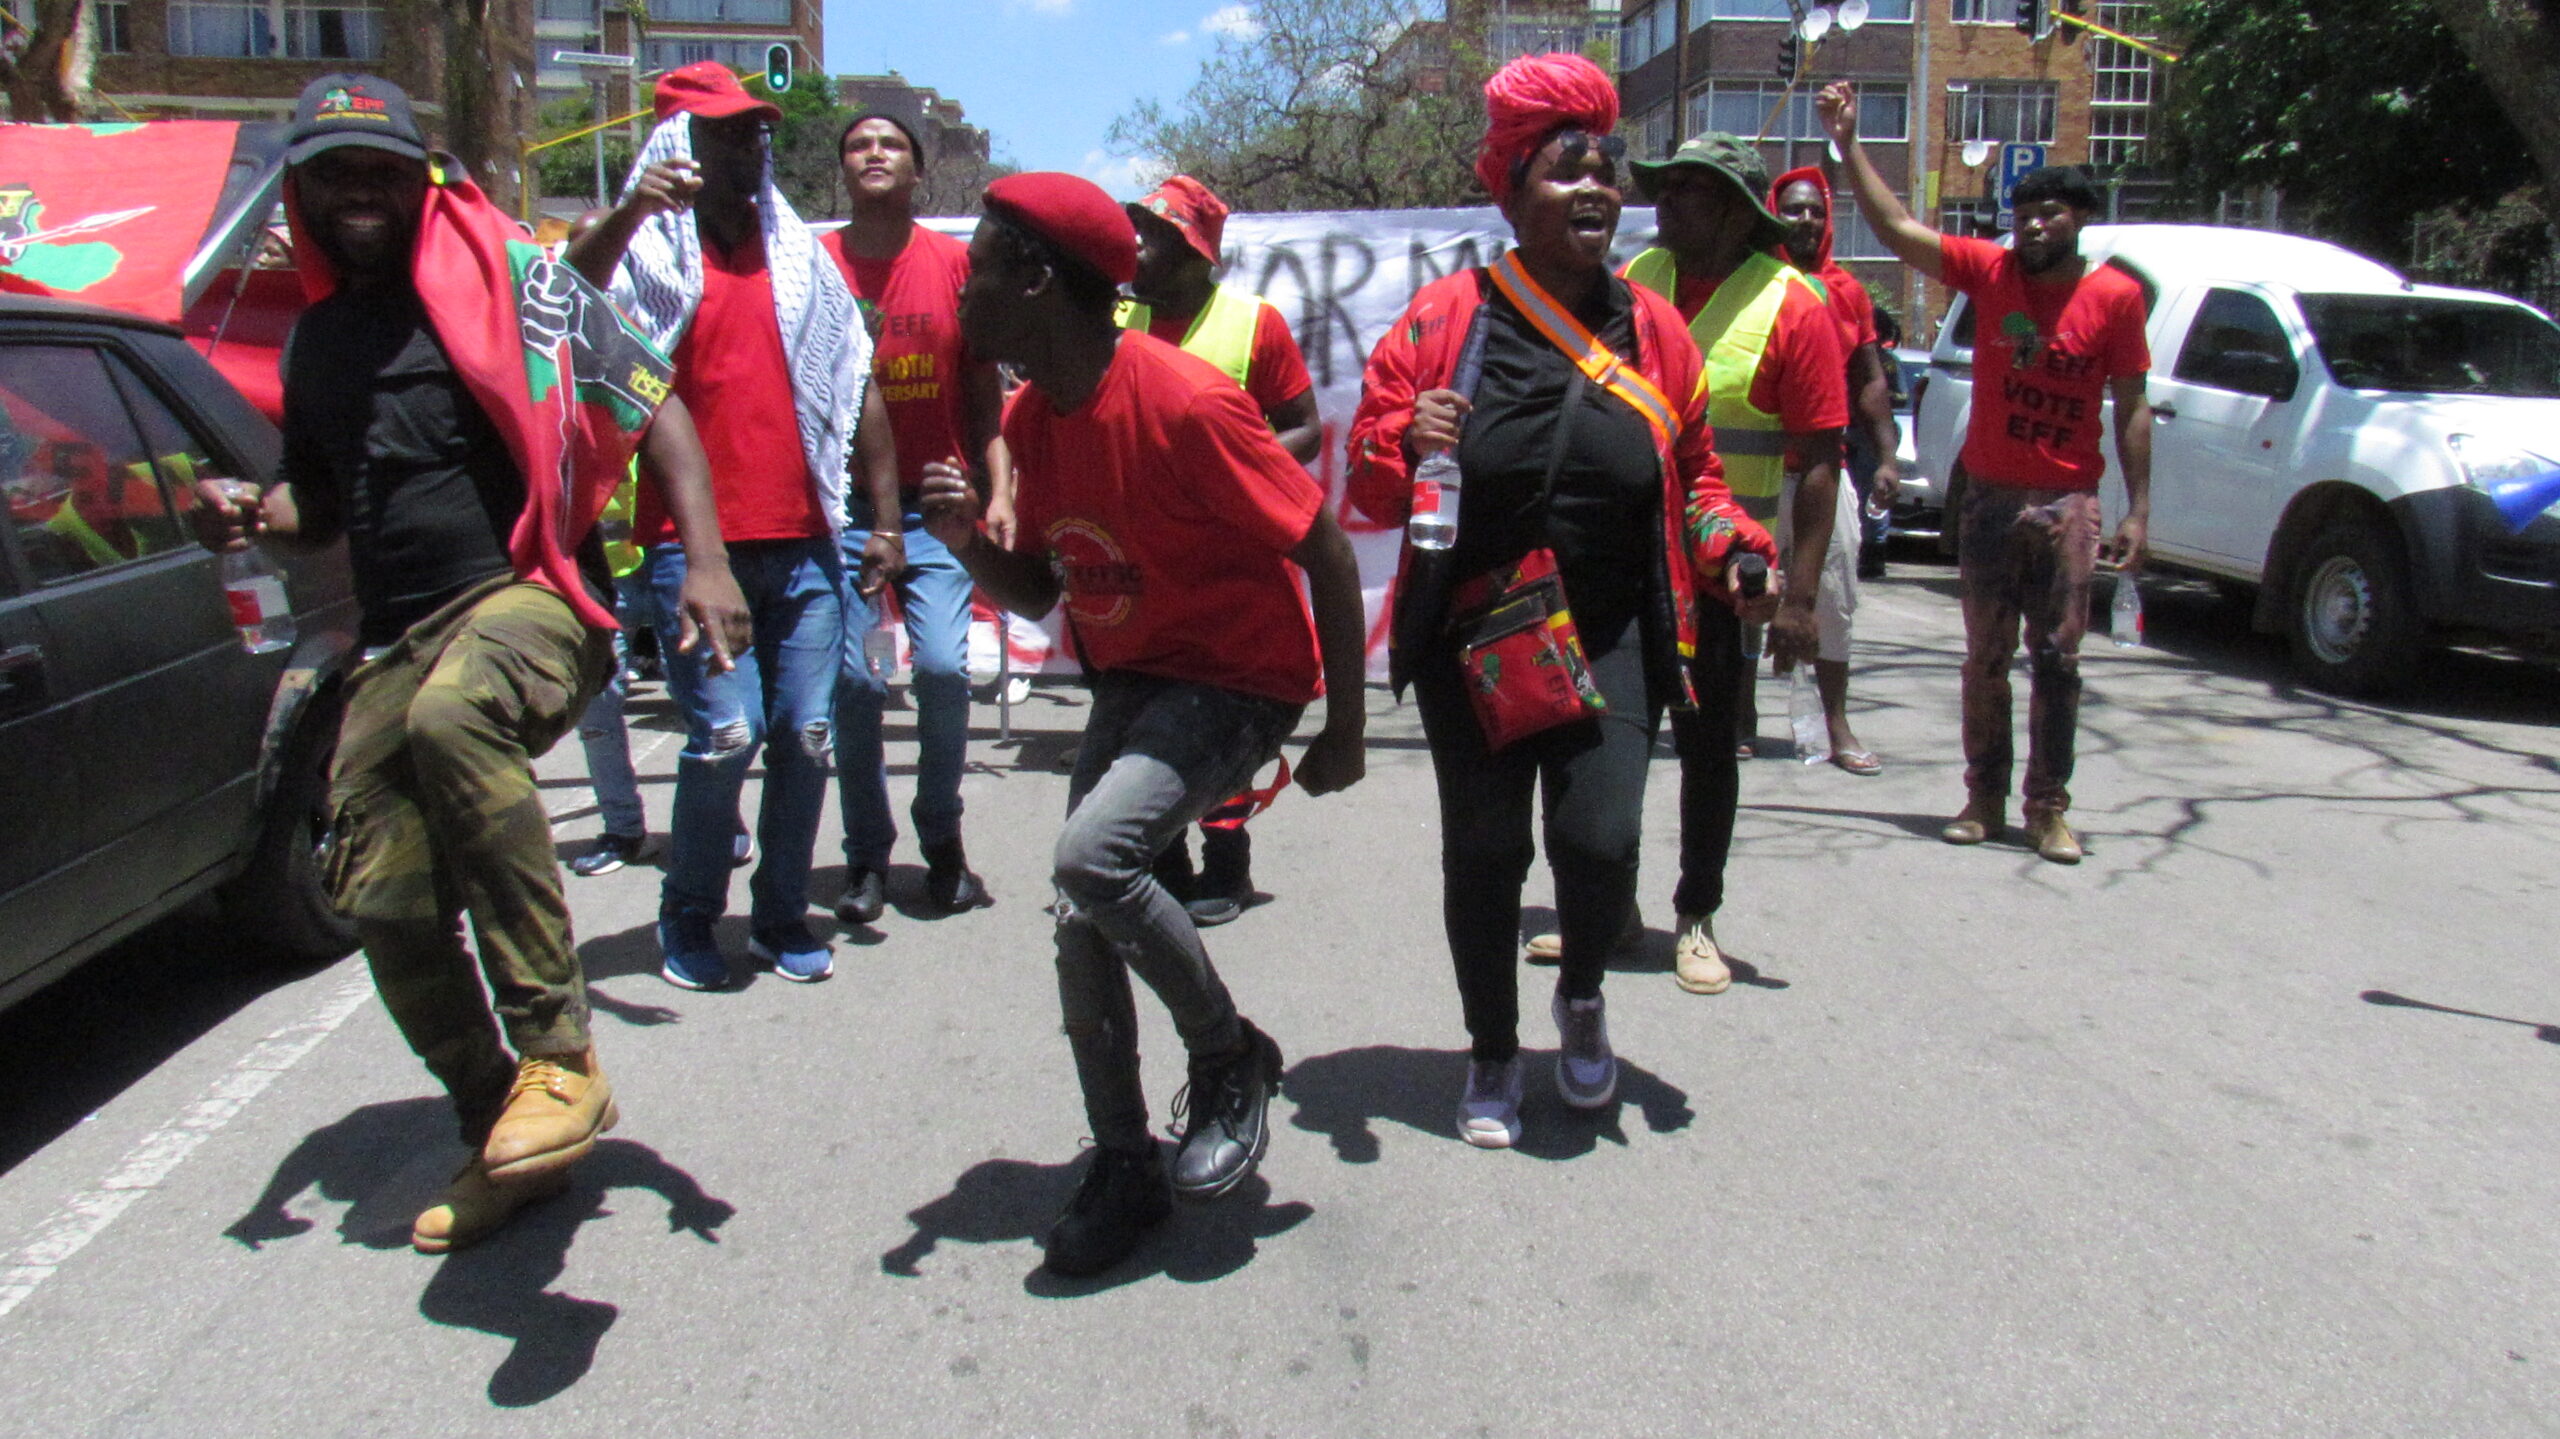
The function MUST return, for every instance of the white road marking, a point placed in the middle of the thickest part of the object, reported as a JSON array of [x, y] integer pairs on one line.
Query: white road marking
[[151, 1161]]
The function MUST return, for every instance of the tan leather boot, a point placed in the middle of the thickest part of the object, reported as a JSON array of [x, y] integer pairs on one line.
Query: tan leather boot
[[1696, 960], [1984, 817], [474, 1207], [2053, 838], [559, 1105]]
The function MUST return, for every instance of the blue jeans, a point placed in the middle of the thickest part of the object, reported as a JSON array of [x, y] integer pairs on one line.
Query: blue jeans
[[601, 732], [780, 698], [935, 597]]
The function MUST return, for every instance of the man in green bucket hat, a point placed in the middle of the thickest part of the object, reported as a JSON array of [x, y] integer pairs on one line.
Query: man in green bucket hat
[[1778, 399]]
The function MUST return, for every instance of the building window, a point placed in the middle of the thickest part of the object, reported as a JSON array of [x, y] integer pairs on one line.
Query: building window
[[2017, 111], [1745, 107], [1509, 40], [276, 30], [1647, 33], [115, 27], [1850, 237], [668, 52], [720, 12], [582, 11], [1979, 12], [1702, 11], [1978, 218], [2121, 87], [1650, 137]]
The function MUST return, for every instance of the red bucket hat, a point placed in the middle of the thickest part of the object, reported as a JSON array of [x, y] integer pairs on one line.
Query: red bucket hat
[[709, 89], [1192, 208], [1074, 214]]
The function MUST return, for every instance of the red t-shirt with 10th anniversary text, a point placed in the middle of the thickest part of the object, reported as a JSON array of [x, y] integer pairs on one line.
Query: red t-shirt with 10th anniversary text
[[2042, 357], [1168, 510], [911, 301]]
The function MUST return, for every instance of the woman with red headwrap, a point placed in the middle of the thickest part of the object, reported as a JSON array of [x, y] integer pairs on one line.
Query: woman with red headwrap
[[1626, 495]]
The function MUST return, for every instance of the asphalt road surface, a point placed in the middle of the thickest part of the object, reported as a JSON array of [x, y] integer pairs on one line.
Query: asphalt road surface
[[2242, 1127]]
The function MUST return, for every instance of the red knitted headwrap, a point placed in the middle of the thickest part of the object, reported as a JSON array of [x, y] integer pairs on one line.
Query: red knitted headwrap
[[1530, 99]]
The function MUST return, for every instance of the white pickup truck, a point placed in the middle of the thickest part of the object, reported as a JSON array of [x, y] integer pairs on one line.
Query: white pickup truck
[[2322, 432]]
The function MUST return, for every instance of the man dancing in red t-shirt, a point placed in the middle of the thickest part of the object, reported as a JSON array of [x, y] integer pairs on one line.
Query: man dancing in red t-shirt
[[2055, 337], [1152, 499]]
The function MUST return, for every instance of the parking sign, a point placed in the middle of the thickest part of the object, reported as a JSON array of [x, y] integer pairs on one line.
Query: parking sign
[[2016, 163]]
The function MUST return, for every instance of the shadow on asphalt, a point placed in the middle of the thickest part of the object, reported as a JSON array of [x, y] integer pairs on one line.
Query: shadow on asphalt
[[2547, 1033], [70, 1048], [1342, 1095], [1006, 1201], [369, 1163]]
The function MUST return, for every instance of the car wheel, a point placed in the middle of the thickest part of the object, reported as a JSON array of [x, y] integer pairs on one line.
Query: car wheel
[[2355, 630], [279, 906]]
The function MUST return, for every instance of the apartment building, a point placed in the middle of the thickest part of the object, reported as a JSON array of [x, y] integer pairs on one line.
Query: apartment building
[[1690, 66], [670, 33]]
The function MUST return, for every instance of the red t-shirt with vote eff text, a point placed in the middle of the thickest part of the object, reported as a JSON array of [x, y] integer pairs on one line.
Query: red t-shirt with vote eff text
[[2042, 357]]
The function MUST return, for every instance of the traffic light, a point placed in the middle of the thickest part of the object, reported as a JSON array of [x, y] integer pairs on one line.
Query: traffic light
[[1790, 54], [2031, 19], [777, 68]]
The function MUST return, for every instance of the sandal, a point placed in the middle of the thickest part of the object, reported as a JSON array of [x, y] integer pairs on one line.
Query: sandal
[[1858, 761]]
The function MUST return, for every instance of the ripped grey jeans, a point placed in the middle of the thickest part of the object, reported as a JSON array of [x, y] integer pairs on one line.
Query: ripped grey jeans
[[1158, 754], [780, 699]]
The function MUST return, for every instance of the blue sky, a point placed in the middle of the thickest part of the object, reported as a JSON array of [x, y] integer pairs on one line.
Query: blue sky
[[1045, 76]]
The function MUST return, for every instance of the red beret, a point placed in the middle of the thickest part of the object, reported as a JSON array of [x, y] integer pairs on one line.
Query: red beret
[[1074, 214], [707, 88]]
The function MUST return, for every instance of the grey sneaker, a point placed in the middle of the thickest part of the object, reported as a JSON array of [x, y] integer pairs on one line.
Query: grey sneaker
[[1489, 1112], [1586, 1069]]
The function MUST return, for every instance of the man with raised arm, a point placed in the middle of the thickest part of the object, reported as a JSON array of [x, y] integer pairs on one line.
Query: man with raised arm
[[2055, 338]]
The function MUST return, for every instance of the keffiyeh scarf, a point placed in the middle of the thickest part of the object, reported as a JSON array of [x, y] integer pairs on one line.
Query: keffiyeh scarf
[[823, 340]]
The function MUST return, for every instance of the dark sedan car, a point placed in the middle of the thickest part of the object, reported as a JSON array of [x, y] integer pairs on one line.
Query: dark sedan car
[[147, 756]]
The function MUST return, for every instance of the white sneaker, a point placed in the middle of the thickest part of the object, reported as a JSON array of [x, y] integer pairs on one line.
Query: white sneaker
[[1586, 1070], [1489, 1114]]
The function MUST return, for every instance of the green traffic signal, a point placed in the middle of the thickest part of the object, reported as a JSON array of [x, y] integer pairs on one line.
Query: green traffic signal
[[777, 68]]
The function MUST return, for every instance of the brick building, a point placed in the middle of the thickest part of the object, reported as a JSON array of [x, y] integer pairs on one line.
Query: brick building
[[247, 59], [1691, 66]]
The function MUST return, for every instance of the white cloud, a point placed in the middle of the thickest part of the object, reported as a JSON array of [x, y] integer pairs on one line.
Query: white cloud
[[1174, 37], [1126, 178], [1232, 22]]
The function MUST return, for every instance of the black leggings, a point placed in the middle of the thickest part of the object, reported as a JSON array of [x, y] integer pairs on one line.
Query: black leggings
[[1593, 777], [1710, 780]]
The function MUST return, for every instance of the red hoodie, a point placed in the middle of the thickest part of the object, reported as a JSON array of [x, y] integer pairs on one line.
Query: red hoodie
[[1849, 303]]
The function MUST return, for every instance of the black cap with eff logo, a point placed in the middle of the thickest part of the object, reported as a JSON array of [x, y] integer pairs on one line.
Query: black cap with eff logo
[[353, 110]]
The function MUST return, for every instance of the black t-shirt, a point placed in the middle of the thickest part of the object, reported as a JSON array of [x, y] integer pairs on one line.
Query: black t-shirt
[[381, 438], [1604, 517]]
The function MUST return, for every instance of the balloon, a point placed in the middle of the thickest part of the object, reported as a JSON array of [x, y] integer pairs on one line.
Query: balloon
[[1815, 25], [1853, 13], [1976, 151]]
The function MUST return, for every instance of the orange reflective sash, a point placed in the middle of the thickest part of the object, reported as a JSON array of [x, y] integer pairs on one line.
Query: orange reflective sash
[[1593, 358]]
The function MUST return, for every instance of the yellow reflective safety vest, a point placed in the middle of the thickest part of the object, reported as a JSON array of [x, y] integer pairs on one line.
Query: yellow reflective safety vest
[[622, 552], [1733, 331], [1222, 333]]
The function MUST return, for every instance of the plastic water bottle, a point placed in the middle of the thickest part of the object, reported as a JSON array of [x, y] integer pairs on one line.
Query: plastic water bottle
[[1805, 717], [880, 642], [2124, 620], [259, 605], [1434, 525]]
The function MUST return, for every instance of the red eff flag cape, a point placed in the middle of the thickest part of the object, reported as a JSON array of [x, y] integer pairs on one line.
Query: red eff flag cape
[[569, 385], [109, 214]]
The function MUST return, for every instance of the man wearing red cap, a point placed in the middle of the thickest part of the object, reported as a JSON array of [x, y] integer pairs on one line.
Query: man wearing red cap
[[1153, 501], [1179, 301], [710, 259], [943, 403]]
